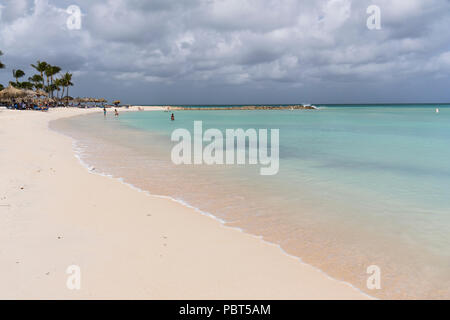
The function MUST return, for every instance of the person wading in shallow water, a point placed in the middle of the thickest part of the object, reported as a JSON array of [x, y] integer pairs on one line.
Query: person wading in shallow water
[[172, 117], [104, 111], [116, 113]]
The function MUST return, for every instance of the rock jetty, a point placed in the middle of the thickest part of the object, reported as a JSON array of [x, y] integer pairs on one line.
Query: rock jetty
[[284, 107]]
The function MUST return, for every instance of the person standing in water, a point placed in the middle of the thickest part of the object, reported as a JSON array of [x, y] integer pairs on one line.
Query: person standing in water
[[104, 112], [116, 113], [172, 117]]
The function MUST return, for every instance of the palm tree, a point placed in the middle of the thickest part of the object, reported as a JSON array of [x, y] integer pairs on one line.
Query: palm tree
[[67, 82], [61, 82], [41, 67], [2, 66], [50, 72], [58, 84], [18, 74], [25, 85], [37, 81], [47, 73]]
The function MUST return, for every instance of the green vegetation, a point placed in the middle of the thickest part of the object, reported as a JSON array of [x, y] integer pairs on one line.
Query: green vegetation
[[48, 79], [2, 66]]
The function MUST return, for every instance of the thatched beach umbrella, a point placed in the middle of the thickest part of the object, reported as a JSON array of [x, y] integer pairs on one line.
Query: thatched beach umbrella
[[31, 93], [11, 92], [41, 93]]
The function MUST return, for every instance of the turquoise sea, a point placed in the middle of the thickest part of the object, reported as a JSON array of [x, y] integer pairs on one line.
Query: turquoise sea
[[358, 185]]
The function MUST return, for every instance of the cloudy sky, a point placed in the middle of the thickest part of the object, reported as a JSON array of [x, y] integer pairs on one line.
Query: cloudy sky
[[236, 51]]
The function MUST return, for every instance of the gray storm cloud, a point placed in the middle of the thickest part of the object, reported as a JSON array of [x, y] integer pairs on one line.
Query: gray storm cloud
[[237, 51]]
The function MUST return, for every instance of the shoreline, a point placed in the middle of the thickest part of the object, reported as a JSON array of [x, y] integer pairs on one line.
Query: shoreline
[[235, 271], [222, 222]]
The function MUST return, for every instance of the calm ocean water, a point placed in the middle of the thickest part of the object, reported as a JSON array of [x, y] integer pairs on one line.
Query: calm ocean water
[[357, 185]]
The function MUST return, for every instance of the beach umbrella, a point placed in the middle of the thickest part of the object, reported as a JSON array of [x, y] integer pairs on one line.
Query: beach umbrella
[[41, 93], [12, 92], [20, 100], [31, 93], [5, 100]]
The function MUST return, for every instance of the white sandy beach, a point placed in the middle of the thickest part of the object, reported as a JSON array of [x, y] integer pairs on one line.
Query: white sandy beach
[[129, 245]]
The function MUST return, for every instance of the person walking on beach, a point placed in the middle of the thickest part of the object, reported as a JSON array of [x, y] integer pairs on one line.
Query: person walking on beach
[[172, 117], [104, 112], [116, 113]]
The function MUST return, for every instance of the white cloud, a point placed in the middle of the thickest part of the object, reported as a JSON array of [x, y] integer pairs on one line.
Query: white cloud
[[237, 42]]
